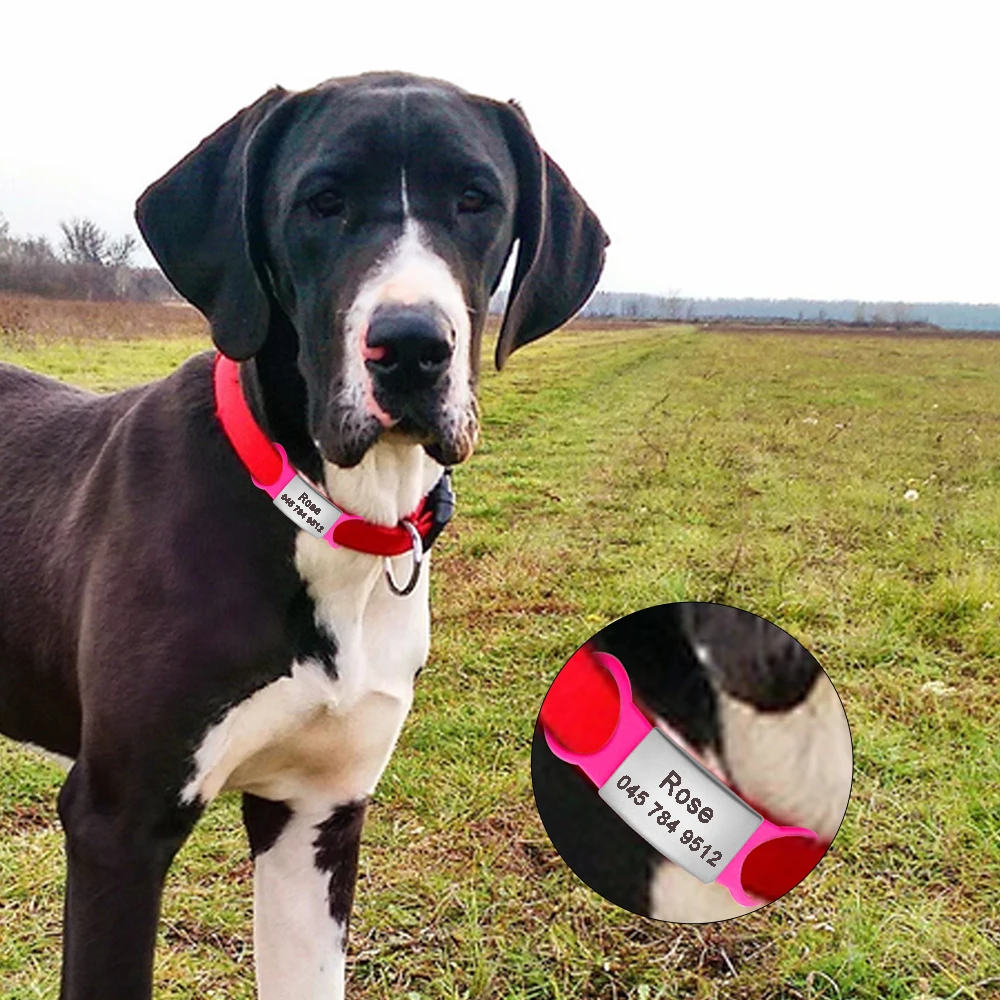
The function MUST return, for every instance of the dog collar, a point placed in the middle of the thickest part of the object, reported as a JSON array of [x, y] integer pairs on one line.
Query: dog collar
[[668, 797], [308, 507]]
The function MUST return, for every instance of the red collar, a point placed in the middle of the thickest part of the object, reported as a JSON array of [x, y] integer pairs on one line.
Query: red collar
[[292, 493]]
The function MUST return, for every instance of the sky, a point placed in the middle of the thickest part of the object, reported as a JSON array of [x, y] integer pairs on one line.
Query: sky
[[840, 151]]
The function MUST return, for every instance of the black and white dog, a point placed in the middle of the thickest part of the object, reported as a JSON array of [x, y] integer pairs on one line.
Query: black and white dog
[[161, 622], [751, 703]]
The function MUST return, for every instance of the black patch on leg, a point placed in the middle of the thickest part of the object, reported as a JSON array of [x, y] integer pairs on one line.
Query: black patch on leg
[[309, 642], [264, 820], [337, 842]]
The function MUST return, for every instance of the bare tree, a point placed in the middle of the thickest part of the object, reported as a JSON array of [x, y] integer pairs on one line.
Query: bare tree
[[119, 252], [84, 242]]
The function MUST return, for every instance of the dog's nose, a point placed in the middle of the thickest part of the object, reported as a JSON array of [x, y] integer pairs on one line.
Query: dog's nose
[[408, 347]]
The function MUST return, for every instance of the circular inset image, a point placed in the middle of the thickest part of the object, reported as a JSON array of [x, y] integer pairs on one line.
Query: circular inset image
[[692, 762]]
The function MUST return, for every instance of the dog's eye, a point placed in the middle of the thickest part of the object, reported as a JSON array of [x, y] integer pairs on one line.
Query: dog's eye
[[326, 204], [472, 200]]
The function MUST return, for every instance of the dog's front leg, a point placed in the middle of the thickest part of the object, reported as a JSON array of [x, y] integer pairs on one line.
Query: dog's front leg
[[305, 866], [118, 849]]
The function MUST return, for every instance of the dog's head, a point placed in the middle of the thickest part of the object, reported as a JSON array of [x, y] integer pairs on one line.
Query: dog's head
[[355, 232]]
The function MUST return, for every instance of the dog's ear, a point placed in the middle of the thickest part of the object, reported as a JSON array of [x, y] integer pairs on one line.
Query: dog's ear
[[198, 222], [560, 243]]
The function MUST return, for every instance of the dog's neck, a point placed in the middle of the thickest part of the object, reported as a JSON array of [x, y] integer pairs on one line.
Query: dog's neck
[[385, 486]]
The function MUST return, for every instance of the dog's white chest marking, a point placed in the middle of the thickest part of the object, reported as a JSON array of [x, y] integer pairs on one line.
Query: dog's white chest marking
[[313, 736]]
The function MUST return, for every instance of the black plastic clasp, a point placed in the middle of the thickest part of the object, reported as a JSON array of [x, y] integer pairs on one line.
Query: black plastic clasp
[[441, 501]]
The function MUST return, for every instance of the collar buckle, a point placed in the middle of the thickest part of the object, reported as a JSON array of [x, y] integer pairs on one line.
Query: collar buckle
[[417, 555]]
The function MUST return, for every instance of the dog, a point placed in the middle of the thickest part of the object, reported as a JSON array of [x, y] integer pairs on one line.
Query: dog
[[746, 699], [162, 621]]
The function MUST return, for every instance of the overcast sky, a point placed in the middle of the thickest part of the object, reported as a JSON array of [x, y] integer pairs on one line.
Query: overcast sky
[[758, 149]]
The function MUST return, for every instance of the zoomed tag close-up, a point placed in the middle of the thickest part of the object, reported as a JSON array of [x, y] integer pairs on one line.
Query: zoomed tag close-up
[[676, 744]]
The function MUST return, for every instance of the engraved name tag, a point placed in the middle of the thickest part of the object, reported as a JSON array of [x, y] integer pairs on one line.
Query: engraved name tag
[[680, 807], [307, 507]]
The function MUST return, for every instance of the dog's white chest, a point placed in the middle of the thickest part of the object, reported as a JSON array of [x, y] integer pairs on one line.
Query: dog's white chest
[[317, 734]]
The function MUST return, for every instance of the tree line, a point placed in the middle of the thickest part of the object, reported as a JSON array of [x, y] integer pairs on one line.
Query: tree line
[[816, 312], [88, 263], [944, 315]]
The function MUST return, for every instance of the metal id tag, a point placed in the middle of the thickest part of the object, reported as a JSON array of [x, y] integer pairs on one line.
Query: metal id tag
[[680, 807], [307, 507]]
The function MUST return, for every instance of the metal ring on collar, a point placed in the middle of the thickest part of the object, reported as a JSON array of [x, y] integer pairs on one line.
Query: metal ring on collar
[[417, 553]]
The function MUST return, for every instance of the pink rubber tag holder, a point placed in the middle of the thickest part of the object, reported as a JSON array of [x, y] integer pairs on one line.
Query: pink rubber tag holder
[[302, 503], [701, 824]]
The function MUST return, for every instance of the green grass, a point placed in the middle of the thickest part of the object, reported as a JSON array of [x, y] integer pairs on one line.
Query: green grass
[[620, 470]]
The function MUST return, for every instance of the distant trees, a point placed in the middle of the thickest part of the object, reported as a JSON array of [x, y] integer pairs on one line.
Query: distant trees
[[90, 264], [946, 315], [636, 305]]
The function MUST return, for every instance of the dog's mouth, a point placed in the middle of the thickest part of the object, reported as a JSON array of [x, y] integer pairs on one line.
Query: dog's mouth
[[447, 435], [449, 438]]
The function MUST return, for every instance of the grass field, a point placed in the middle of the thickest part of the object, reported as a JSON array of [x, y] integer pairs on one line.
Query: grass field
[[621, 469]]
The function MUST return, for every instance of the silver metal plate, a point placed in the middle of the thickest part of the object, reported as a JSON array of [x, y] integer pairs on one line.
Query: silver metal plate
[[307, 507], [680, 807]]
